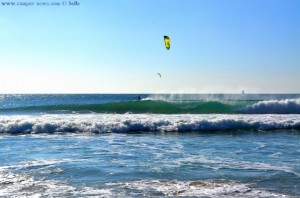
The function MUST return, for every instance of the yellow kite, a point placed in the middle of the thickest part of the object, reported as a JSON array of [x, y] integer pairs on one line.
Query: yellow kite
[[167, 42]]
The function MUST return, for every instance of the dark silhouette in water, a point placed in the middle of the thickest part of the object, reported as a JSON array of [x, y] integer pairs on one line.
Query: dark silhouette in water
[[139, 98]]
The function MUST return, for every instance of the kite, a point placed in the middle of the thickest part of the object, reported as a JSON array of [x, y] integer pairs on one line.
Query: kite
[[167, 42]]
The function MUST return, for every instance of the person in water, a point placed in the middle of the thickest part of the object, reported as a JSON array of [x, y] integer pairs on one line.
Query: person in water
[[139, 98]]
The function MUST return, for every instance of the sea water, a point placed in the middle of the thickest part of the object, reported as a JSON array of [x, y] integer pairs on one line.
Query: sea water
[[159, 146]]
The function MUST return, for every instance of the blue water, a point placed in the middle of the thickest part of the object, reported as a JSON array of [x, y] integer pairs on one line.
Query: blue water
[[46, 151]]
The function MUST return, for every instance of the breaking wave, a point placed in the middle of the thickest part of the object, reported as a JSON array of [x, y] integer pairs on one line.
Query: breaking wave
[[143, 106], [288, 106], [122, 123]]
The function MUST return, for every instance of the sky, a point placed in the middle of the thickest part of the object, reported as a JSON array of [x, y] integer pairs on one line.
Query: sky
[[116, 46]]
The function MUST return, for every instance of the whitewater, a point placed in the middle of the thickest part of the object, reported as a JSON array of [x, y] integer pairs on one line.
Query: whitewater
[[123, 123]]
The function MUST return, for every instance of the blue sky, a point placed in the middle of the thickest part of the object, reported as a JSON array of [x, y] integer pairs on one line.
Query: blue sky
[[116, 46]]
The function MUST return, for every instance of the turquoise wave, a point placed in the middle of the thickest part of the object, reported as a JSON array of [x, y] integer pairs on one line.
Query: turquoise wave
[[144, 106]]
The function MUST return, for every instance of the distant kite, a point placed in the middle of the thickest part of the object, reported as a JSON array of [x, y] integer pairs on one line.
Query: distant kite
[[167, 42], [159, 74]]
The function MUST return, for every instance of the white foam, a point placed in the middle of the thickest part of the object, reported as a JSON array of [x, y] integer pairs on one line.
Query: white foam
[[100, 123], [277, 154], [35, 163], [218, 163], [147, 99], [24, 185], [173, 188], [288, 106], [260, 146], [92, 192]]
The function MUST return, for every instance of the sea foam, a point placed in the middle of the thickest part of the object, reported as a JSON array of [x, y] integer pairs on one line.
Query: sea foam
[[122, 123], [25, 185], [288, 106]]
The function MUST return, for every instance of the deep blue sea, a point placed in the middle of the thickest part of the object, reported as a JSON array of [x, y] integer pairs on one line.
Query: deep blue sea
[[115, 145]]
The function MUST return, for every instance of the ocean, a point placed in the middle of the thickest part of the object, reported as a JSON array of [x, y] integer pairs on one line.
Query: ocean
[[180, 145]]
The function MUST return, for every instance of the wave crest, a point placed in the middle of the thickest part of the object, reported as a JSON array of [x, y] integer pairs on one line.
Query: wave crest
[[122, 123], [288, 106]]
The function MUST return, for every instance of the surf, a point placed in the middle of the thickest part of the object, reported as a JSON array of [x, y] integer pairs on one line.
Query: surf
[[157, 104], [125, 123]]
